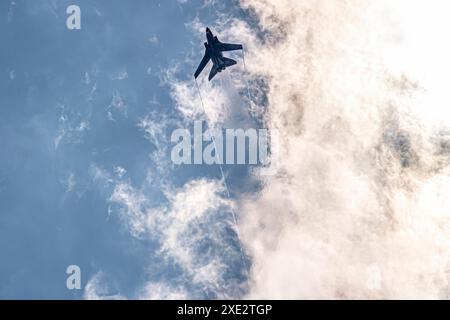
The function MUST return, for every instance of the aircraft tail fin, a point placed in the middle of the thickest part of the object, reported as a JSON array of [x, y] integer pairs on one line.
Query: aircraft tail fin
[[229, 62]]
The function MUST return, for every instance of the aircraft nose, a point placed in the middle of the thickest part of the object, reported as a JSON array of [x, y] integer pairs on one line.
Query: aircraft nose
[[207, 30]]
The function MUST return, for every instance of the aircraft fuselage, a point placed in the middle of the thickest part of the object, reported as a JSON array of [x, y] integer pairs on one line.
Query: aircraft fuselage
[[216, 54], [213, 52]]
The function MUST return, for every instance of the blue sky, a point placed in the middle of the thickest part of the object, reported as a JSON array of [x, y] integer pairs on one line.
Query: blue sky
[[353, 89], [75, 115]]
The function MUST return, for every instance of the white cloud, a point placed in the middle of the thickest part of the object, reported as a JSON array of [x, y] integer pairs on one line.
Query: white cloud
[[162, 291], [155, 126], [154, 129], [192, 234], [100, 175], [134, 206], [359, 208], [97, 289], [117, 103], [71, 127], [120, 171], [70, 182], [154, 40], [122, 75], [86, 78], [11, 11]]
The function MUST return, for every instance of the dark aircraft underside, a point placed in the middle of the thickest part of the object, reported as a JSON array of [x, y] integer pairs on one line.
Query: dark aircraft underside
[[213, 52]]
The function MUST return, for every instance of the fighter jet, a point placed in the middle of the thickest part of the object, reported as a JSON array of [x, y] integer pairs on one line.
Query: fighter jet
[[213, 52]]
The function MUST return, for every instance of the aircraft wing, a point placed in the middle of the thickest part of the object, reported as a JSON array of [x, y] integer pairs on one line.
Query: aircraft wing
[[203, 63], [229, 46]]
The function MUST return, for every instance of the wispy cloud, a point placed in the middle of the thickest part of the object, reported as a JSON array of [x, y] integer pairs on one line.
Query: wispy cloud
[[194, 232], [154, 40], [72, 126], [97, 289], [118, 104]]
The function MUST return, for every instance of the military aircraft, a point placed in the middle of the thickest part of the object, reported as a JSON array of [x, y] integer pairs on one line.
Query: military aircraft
[[213, 52]]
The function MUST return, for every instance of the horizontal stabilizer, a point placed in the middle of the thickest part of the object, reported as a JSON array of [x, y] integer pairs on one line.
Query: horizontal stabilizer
[[213, 72], [228, 62]]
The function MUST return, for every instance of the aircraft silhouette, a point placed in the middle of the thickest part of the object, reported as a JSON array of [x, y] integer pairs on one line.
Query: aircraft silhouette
[[213, 52]]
